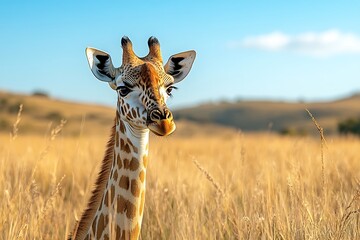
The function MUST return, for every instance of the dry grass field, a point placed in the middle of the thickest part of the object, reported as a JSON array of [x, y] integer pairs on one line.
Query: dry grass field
[[209, 185]]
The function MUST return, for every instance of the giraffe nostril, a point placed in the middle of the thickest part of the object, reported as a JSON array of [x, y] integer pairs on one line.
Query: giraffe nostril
[[167, 114], [155, 115]]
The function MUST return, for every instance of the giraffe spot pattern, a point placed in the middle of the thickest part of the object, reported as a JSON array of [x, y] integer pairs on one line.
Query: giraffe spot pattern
[[124, 205], [129, 115], [138, 111], [106, 237], [134, 164], [112, 193], [117, 116], [116, 175], [130, 210], [127, 148], [133, 112], [100, 226], [123, 236], [114, 154], [135, 188], [106, 218], [142, 176], [118, 232], [145, 160], [118, 161], [123, 113], [117, 139], [126, 163], [106, 200], [122, 143], [121, 204], [124, 182], [135, 149]]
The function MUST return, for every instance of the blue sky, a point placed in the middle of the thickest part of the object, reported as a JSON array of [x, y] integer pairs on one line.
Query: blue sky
[[283, 50]]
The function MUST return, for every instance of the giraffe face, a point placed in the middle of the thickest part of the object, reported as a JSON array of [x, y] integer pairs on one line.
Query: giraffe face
[[142, 94], [143, 85]]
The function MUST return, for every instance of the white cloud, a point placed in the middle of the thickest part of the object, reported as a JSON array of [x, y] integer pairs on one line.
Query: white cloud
[[321, 44]]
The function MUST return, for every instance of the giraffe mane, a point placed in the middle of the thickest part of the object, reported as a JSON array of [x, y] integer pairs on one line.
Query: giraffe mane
[[82, 226]]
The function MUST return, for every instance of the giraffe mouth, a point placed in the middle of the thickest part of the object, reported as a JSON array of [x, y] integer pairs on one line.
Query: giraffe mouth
[[163, 127]]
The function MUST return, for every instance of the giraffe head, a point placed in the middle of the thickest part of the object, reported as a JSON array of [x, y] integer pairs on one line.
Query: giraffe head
[[143, 84]]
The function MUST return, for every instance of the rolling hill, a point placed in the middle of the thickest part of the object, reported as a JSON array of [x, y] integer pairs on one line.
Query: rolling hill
[[41, 111], [275, 116]]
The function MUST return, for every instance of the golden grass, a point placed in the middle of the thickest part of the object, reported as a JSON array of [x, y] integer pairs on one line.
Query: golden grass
[[233, 186]]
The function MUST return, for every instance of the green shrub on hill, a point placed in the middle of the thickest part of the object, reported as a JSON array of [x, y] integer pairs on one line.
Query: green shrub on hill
[[4, 125], [3, 103], [349, 126], [291, 131], [54, 116], [40, 93]]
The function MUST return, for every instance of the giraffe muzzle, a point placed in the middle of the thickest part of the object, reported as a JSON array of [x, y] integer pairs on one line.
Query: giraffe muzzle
[[161, 122]]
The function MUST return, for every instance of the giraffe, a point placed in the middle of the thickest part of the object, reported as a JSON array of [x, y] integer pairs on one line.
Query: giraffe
[[143, 84]]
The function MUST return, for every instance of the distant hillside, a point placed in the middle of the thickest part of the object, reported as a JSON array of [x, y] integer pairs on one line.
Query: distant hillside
[[40, 111], [275, 116]]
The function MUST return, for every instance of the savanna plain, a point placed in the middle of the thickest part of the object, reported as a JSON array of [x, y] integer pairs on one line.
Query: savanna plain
[[203, 184]]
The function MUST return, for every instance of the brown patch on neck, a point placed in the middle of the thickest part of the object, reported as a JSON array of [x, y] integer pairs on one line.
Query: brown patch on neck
[[82, 227]]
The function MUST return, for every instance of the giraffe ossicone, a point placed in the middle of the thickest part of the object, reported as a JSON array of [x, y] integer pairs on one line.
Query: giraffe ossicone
[[143, 84]]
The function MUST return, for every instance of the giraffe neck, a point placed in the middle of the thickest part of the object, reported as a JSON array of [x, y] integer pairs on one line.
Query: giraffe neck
[[120, 211]]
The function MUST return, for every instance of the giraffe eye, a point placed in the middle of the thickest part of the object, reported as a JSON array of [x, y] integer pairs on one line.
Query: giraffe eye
[[123, 90], [169, 90]]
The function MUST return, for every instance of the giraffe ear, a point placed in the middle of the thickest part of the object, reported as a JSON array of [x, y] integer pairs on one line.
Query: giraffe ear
[[179, 65], [101, 65]]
